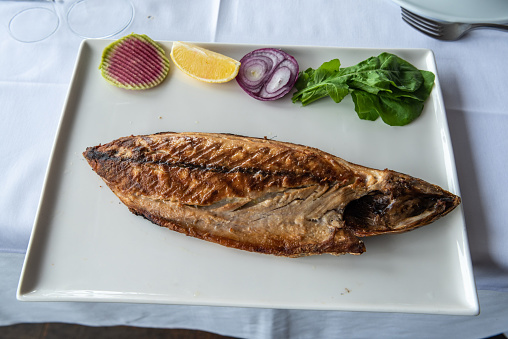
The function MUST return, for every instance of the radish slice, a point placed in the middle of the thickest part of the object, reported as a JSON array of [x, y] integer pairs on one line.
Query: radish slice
[[134, 62], [267, 73]]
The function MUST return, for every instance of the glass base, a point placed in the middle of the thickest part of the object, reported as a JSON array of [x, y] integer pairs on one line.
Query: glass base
[[33, 24], [99, 18]]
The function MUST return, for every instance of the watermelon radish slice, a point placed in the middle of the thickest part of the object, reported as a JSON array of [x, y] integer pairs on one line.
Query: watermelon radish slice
[[134, 62]]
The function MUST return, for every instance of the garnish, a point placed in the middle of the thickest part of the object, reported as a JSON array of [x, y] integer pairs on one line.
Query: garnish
[[385, 86], [203, 64], [267, 73], [134, 62]]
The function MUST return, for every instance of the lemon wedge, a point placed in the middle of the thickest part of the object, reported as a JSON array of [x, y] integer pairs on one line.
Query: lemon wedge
[[203, 64]]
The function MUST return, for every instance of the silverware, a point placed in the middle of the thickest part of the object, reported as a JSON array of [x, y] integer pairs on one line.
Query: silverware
[[442, 30]]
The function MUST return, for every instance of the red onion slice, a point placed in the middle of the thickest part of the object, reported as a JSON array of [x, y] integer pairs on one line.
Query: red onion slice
[[267, 73]]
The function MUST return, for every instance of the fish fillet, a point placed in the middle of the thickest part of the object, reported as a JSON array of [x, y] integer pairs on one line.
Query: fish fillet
[[263, 195]]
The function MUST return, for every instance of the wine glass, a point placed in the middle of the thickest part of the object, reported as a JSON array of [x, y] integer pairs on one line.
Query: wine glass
[[99, 18], [85, 18], [33, 24]]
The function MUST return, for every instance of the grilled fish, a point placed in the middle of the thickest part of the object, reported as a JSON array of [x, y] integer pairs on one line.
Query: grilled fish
[[263, 195]]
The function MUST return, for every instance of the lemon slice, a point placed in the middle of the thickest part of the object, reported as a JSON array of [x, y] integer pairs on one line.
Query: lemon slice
[[203, 64]]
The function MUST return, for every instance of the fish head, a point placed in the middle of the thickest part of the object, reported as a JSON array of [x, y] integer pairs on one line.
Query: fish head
[[396, 204]]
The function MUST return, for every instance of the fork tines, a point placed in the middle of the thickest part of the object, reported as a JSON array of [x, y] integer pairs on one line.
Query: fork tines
[[424, 25]]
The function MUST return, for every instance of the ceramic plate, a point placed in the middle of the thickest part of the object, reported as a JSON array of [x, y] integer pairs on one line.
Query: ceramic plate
[[86, 245], [469, 11]]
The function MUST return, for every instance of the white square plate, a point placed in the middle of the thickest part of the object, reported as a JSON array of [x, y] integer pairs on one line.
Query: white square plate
[[86, 245]]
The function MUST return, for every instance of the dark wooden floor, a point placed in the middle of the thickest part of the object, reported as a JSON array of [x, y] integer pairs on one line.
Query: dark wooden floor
[[57, 331]]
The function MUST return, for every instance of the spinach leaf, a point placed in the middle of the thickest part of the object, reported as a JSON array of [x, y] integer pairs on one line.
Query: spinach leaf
[[385, 86]]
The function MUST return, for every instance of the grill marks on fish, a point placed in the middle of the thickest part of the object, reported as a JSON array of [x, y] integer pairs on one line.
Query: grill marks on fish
[[262, 195], [200, 171]]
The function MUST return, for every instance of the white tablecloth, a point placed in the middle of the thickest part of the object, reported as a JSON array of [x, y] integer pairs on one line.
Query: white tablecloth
[[34, 79]]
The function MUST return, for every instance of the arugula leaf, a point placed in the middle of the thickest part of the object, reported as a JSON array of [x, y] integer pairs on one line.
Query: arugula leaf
[[367, 105], [385, 86], [322, 82], [392, 110]]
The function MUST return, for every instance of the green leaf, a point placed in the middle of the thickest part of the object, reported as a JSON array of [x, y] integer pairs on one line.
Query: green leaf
[[316, 84], [399, 111], [385, 86], [366, 105], [331, 67], [303, 79], [337, 91]]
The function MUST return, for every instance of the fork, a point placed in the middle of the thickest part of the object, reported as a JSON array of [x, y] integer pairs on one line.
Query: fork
[[442, 30]]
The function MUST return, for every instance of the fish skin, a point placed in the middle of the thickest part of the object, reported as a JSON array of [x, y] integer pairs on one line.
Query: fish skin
[[263, 195]]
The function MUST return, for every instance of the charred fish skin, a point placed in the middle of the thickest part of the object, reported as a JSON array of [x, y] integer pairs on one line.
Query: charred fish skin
[[263, 195], [400, 204]]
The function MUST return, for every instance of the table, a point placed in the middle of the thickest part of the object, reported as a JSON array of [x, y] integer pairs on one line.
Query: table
[[34, 79]]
